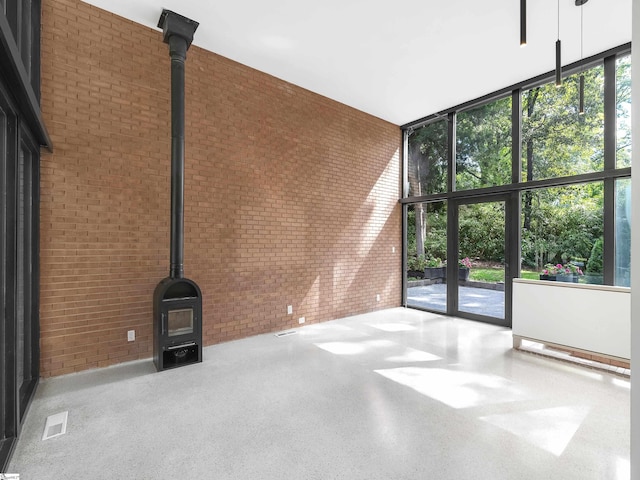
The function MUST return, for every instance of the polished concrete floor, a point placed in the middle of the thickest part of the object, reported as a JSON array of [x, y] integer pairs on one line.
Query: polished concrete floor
[[396, 394]]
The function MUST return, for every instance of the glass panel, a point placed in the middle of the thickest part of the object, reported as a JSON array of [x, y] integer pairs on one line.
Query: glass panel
[[622, 276], [426, 256], [7, 389], [24, 43], [427, 151], [483, 146], [562, 233], [556, 140], [180, 322], [623, 111], [481, 250], [20, 272]]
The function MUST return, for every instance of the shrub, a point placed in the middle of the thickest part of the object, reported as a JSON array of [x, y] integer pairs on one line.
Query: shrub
[[594, 265]]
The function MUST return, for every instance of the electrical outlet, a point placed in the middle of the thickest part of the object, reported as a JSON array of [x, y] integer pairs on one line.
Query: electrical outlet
[[289, 309], [378, 298], [131, 335], [301, 320]]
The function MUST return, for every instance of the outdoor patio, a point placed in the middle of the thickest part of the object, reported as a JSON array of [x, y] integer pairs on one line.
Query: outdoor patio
[[481, 301]]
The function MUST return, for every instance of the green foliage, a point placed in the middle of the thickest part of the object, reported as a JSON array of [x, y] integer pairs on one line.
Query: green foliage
[[491, 275], [435, 241], [557, 141], [427, 150], [623, 111], [417, 263], [563, 224], [434, 262], [483, 146], [560, 224], [411, 233], [420, 262], [594, 265], [529, 274], [481, 231]]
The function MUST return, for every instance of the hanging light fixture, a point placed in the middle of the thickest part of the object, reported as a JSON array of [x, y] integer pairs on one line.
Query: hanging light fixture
[[523, 23], [558, 53], [580, 3]]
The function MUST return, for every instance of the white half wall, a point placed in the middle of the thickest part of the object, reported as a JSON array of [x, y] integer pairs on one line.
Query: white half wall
[[587, 317]]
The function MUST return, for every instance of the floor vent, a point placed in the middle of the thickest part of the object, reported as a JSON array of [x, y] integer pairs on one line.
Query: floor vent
[[286, 334], [55, 425]]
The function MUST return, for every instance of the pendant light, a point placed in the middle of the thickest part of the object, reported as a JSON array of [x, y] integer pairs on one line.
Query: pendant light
[[558, 53], [580, 3], [523, 23]]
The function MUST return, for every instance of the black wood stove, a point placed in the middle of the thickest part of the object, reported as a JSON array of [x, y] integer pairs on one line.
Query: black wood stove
[[177, 301], [177, 336]]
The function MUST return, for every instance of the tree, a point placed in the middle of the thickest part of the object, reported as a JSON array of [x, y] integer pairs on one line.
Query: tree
[[557, 141], [483, 146], [427, 151]]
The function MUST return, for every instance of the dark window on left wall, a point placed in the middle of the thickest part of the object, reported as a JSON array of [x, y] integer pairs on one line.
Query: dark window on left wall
[[21, 135]]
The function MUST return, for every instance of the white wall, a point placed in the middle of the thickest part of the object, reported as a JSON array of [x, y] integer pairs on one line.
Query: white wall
[[594, 318], [635, 247]]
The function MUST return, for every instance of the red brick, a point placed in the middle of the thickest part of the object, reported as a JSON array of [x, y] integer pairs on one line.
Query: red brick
[[290, 198]]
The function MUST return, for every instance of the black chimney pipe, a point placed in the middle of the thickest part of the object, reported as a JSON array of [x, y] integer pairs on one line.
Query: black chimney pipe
[[178, 33], [177, 301]]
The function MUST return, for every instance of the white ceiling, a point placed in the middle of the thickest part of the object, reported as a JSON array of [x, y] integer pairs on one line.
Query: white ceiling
[[399, 61]]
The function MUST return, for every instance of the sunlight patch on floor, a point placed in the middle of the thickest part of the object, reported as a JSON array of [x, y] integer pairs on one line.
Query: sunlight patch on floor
[[343, 348], [392, 327], [550, 429], [454, 388], [412, 355], [623, 469], [395, 352]]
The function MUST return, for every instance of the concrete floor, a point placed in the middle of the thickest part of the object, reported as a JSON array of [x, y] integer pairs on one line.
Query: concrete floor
[[396, 394]]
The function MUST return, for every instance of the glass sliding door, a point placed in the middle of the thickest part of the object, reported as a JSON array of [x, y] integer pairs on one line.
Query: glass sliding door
[[26, 304], [481, 267], [19, 329], [426, 256]]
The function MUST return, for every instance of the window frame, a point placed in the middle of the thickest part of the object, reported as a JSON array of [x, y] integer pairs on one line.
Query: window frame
[[608, 175]]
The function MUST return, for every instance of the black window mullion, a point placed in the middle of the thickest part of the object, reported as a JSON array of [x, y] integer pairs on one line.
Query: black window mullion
[[405, 237], [610, 114], [452, 216], [25, 42], [8, 359], [35, 265], [35, 17], [452, 257], [4, 344], [451, 152], [516, 136], [13, 15], [29, 285]]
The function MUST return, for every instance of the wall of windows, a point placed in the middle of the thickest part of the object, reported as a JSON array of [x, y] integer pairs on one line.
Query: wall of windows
[[564, 176], [483, 145], [556, 140], [428, 154], [22, 132], [561, 225]]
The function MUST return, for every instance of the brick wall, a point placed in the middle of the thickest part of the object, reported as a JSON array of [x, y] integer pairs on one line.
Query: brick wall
[[290, 198]]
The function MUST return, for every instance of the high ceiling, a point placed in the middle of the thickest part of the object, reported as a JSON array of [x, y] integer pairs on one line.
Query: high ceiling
[[399, 61]]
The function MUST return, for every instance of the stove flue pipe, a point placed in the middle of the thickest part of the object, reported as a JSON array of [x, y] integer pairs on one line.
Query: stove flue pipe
[[178, 33]]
